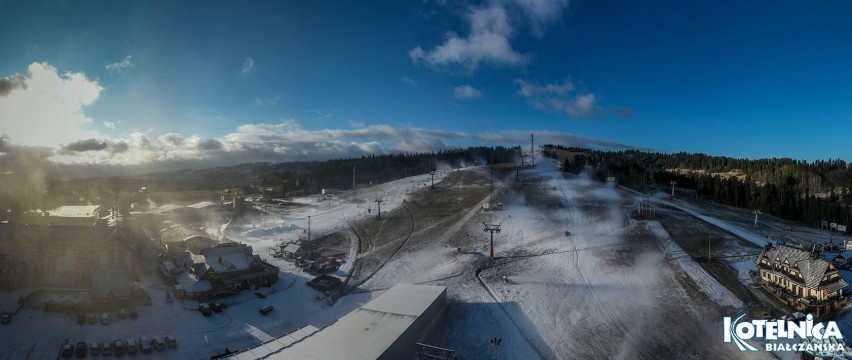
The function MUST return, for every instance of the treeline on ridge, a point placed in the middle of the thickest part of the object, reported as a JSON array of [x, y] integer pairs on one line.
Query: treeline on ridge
[[790, 189]]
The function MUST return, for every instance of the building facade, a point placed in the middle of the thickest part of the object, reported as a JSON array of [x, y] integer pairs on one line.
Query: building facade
[[801, 279], [60, 255]]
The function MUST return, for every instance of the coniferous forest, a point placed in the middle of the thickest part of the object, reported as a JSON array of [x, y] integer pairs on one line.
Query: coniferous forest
[[790, 189]]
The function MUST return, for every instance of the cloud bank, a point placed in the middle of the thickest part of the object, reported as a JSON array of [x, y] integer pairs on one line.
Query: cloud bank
[[44, 118]]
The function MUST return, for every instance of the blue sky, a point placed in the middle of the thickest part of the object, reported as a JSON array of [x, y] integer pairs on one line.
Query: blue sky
[[222, 82]]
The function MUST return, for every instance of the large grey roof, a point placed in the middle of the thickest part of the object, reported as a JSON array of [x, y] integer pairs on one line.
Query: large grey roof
[[369, 331], [810, 267]]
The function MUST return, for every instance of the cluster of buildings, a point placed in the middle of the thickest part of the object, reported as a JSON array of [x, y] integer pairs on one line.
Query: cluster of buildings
[[198, 270], [101, 250]]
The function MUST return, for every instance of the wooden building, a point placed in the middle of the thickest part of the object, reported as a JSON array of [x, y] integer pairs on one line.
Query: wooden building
[[804, 281]]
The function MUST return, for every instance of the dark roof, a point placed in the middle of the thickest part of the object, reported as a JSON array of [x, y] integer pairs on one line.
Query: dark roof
[[811, 268]]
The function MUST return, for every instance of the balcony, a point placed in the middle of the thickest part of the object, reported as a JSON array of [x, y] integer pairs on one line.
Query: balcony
[[814, 302]]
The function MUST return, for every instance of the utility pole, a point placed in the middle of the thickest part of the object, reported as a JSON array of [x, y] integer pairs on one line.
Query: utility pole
[[756, 212], [532, 150], [673, 182], [492, 228], [354, 195]]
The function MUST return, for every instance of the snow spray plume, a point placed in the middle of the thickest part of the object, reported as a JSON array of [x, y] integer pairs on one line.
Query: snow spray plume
[[24, 171]]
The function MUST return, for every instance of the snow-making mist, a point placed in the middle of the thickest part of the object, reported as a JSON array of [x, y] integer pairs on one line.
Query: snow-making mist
[[573, 275]]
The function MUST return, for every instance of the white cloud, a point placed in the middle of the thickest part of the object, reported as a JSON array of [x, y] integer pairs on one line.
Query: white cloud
[[560, 98], [49, 110], [248, 65], [408, 81], [109, 125], [121, 66], [270, 101], [466, 92], [542, 13], [490, 32], [487, 41]]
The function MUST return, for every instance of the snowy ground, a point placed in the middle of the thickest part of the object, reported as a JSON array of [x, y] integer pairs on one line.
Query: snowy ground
[[573, 276]]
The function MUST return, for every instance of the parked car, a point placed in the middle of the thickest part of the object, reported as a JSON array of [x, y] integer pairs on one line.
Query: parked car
[[118, 347], [158, 344], [81, 350], [131, 346], [259, 295], [265, 310], [67, 350], [106, 349], [144, 345], [90, 318], [81, 318], [95, 349], [216, 306], [105, 319], [122, 313], [170, 341], [5, 318], [204, 308], [132, 312]]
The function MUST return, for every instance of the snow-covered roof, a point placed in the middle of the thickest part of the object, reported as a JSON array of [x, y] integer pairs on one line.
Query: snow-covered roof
[[812, 269], [232, 262], [74, 211], [178, 233], [230, 257], [369, 331], [170, 209], [275, 345], [292, 248], [191, 284], [405, 299], [203, 204]]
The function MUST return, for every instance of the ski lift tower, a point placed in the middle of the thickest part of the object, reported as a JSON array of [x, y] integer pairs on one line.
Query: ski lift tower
[[432, 173], [379, 207], [492, 228]]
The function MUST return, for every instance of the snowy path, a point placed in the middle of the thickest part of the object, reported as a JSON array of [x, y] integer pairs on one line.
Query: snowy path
[[736, 230], [706, 283]]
